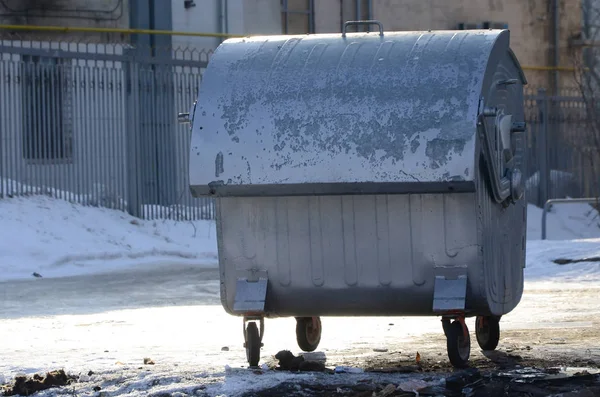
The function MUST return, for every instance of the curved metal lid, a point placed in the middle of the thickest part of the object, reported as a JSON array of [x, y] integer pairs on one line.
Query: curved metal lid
[[325, 110]]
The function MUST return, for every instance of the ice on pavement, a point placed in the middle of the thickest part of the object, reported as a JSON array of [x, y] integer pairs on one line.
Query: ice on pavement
[[55, 238]]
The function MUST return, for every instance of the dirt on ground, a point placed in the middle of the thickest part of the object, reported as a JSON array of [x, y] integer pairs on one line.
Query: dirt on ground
[[540, 362], [493, 374], [27, 386]]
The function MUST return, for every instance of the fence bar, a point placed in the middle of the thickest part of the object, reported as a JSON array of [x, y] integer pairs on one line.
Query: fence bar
[[548, 204]]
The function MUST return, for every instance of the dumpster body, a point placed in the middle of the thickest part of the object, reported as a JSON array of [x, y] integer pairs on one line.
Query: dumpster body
[[365, 174]]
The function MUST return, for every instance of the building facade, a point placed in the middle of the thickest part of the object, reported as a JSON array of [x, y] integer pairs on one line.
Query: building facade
[[538, 27]]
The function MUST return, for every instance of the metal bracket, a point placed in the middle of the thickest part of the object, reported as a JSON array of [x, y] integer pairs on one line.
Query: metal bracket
[[261, 322], [183, 118], [449, 294], [251, 292], [507, 82]]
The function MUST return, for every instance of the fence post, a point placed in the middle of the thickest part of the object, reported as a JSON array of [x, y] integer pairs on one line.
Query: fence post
[[132, 173], [542, 148]]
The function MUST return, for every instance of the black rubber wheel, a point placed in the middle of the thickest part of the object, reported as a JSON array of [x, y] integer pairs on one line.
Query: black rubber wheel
[[458, 343], [487, 331], [252, 345], [308, 337]]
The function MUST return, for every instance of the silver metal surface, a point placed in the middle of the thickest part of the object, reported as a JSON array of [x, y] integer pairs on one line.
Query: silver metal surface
[[449, 294], [325, 109], [366, 174], [250, 296], [367, 254]]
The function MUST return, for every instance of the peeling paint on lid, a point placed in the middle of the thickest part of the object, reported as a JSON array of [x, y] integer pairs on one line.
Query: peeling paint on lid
[[323, 109]]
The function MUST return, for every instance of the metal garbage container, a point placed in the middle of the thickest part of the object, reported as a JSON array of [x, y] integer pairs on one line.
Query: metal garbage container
[[365, 174]]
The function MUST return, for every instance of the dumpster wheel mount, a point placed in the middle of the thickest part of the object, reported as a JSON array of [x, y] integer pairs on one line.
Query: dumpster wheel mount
[[253, 340], [458, 341], [308, 333], [487, 331]]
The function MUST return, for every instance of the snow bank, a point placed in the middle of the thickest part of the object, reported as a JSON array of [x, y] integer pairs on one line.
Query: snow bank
[[101, 195], [540, 265], [577, 225], [56, 238], [564, 222]]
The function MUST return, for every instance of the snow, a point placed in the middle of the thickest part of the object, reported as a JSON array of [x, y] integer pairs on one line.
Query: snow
[[569, 221], [104, 196], [573, 232], [56, 238], [540, 264]]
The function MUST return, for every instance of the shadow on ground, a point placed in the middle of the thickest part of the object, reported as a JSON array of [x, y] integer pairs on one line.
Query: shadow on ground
[[158, 287]]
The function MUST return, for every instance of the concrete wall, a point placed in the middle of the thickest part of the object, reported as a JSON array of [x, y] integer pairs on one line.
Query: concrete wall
[[260, 16], [528, 20], [205, 17], [72, 13], [239, 17]]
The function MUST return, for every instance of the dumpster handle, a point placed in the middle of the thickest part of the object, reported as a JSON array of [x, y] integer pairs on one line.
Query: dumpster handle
[[500, 184], [369, 22]]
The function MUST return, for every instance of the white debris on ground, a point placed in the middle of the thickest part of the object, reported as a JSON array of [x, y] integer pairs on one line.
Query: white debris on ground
[[55, 239]]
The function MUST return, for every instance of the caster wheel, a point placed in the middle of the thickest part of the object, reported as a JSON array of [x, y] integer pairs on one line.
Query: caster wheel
[[487, 331], [252, 344], [308, 334], [458, 343]]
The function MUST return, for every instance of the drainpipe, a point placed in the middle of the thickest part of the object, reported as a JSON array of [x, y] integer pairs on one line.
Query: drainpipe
[[341, 15], [586, 31], [223, 28], [358, 13], [370, 9], [556, 39]]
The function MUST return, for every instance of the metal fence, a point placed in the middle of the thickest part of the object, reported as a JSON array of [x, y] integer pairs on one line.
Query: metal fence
[[96, 124], [562, 160]]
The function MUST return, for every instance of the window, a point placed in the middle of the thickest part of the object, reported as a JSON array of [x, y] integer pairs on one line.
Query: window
[[45, 99], [298, 16]]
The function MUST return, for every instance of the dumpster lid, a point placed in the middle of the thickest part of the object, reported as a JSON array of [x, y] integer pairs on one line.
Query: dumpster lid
[[333, 114]]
